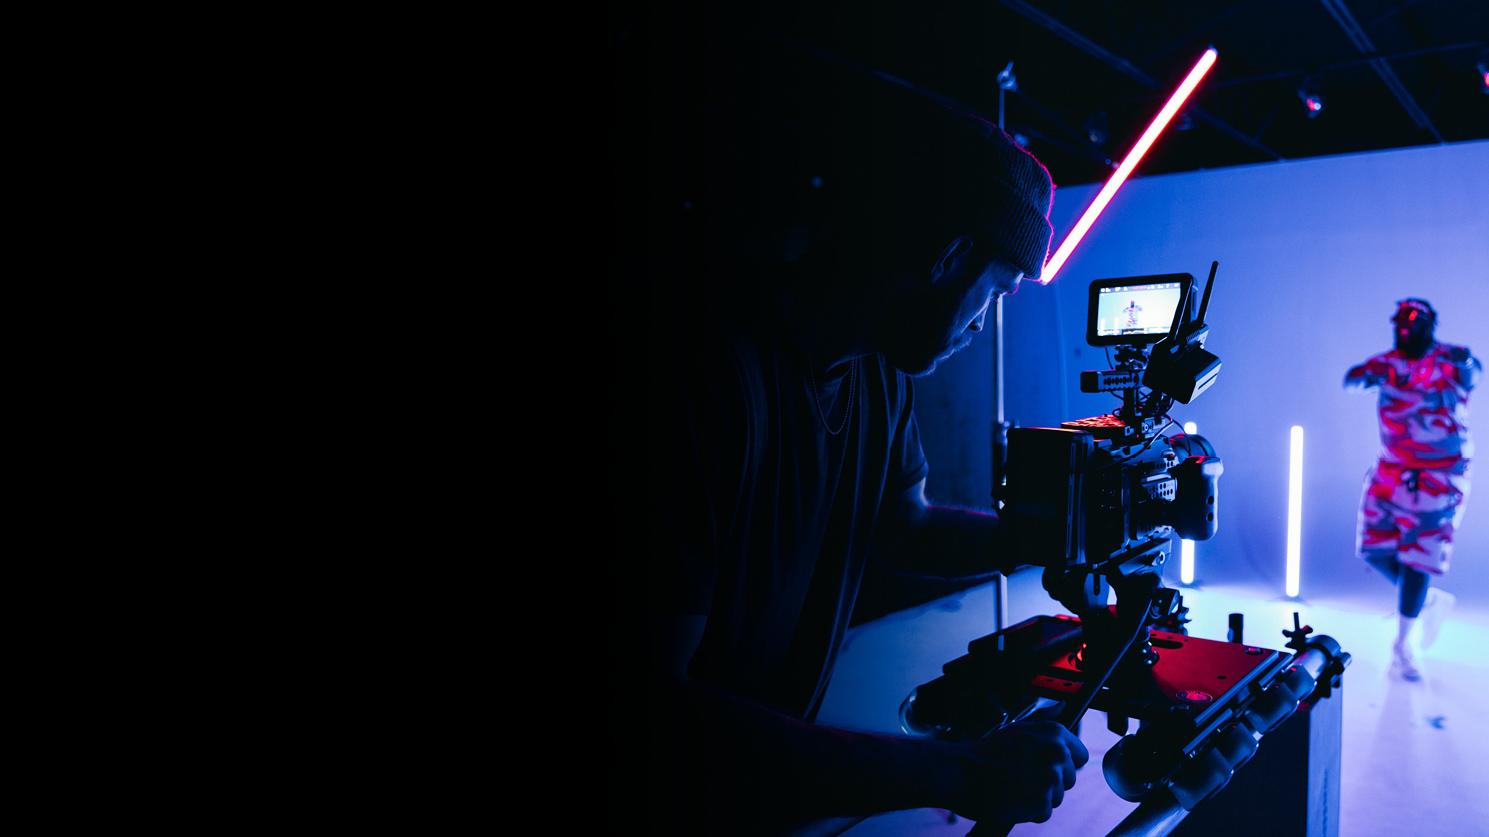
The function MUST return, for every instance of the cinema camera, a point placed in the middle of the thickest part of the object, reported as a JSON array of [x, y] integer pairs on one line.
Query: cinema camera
[[1097, 502]]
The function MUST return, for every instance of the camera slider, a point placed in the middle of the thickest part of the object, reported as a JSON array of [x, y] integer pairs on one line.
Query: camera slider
[[1047, 654], [1204, 705]]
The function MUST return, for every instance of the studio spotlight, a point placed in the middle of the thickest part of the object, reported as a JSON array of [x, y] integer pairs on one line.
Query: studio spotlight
[[1007, 80], [1484, 77], [1312, 102], [1007, 84], [1096, 130]]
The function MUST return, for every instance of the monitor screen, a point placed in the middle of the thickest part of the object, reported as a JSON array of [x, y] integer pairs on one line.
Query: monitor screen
[[1137, 310]]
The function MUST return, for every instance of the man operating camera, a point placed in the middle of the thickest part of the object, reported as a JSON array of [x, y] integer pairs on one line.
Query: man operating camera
[[865, 236]]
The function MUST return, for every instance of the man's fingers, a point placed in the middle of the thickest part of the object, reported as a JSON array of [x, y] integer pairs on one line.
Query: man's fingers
[[1042, 811], [1067, 775], [1078, 752], [1048, 712]]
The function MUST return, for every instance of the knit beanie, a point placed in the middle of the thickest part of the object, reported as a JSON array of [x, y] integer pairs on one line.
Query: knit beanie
[[912, 171], [1018, 191]]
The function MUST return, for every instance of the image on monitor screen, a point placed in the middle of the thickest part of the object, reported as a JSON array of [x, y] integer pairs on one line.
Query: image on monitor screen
[[1137, 309]]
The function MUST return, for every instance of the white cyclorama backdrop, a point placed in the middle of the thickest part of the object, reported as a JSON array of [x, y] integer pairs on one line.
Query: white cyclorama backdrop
[[1313, 255]]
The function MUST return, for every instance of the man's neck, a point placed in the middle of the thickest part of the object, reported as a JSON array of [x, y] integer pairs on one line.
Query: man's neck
[[1411, 352], [829, 334]]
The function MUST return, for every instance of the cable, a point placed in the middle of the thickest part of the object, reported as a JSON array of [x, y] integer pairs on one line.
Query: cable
[[1082, 701]]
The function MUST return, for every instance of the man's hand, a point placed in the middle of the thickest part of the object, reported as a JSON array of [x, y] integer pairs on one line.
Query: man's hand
[[1017, 774], [1371, 373], [1468, 367]]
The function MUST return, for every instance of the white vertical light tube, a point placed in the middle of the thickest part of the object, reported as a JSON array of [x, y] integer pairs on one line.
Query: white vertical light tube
[[1294, 508], [1186, 546]]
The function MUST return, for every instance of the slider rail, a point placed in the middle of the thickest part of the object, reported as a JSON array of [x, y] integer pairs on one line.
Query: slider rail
[[1160, 812]]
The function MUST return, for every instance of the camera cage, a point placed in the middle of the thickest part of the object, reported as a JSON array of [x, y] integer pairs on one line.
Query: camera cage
[[1094, 490]]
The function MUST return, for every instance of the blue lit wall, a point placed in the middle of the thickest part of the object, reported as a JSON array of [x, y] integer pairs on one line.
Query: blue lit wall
[[1312, 255]]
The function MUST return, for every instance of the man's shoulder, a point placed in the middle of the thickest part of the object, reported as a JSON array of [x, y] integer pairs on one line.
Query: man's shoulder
[[729, 380], [897, 386], [1389, 356], [892, 375]]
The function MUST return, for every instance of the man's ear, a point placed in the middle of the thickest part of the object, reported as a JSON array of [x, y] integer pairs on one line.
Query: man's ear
[[947, 262]]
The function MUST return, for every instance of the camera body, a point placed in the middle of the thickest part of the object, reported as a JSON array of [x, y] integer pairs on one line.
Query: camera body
[[1078, 496]]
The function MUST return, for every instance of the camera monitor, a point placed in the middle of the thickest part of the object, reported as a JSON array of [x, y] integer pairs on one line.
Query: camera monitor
[[1137, 310]]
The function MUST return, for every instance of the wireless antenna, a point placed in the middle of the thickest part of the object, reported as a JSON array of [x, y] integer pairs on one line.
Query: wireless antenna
[[1180, 316], [1204, 304]]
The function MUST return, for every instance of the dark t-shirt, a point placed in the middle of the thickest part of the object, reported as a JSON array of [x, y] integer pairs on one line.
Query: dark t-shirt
[[767, 519]]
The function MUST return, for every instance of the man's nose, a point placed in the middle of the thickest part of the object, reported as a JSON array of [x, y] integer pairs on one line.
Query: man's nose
[[977, 321]]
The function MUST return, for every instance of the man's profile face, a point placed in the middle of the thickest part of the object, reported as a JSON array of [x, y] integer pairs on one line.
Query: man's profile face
[[941, 318]]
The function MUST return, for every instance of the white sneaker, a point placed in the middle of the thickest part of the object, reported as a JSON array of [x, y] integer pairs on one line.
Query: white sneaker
[[1404, 663], [1439, 602]]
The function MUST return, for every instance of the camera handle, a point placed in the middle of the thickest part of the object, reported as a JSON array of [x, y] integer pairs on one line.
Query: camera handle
[[1141, 600], [1141, 592]]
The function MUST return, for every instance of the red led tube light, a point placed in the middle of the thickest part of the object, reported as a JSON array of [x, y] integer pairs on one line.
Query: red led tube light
[[1134, 156]]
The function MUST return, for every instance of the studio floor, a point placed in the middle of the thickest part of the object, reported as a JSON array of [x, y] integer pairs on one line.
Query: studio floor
[[1413, 753]]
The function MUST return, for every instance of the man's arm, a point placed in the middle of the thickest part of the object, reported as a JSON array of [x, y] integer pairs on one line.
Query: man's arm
[[745, 754], [942, 541], [1371, 373], [719, 757], [720, 760], [731, 758], [1466, 366]]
